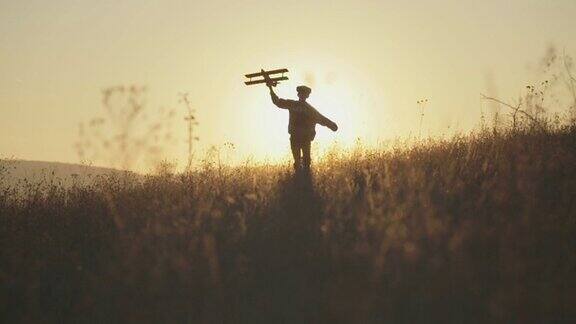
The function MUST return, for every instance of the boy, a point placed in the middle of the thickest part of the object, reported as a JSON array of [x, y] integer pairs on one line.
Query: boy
[[302, 124]]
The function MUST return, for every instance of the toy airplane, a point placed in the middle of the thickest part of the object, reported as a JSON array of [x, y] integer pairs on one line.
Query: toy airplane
[[267, 77]]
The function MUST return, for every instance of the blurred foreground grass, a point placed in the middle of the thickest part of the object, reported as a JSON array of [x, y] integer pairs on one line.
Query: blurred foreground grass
[[476, 229]]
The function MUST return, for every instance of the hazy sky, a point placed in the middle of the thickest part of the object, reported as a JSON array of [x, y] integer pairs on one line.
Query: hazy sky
[[367, 62]]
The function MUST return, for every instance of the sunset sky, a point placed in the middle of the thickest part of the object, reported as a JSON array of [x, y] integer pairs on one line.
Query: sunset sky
[[368, 62]]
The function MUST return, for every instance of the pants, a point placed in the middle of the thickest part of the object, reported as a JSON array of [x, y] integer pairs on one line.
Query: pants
[[300, 151]]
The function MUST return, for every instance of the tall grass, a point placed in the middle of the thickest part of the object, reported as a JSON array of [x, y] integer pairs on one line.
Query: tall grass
[[479, 228]]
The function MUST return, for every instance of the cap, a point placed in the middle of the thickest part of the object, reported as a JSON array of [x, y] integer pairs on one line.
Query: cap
[[303, 89]]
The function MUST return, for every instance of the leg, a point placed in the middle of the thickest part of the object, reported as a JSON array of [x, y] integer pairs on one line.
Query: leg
[[295, 147], [306, 159]]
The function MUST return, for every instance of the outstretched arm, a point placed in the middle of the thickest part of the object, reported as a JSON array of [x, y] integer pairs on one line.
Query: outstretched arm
[[323, 120]]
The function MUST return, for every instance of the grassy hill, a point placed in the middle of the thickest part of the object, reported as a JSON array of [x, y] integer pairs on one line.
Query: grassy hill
[[14, 173], [476, 229]]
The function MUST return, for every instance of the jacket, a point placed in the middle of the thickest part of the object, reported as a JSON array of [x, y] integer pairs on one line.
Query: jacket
[[303, 117]]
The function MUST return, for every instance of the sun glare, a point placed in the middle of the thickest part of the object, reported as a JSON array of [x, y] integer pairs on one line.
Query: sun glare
[[336, 102], [343, 95]]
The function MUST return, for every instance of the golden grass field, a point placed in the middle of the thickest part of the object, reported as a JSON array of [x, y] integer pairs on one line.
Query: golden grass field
[[479, 228]]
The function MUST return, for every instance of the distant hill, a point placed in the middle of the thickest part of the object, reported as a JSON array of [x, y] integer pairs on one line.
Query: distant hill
[[13, 172]]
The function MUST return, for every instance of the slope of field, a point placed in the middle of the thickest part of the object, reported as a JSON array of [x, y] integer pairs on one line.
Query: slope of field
[[14, 173], [472, 230]]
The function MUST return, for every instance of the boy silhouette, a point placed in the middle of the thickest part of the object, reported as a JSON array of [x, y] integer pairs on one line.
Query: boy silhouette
[[302, 124]]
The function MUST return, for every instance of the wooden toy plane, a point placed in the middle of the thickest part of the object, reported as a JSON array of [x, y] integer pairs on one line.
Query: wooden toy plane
[[267, 77]]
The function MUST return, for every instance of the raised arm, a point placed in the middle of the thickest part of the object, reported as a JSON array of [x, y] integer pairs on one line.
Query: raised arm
[[280, 103]]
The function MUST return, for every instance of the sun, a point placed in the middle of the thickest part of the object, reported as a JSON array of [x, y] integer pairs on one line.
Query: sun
[[260, 130], [339, 103]]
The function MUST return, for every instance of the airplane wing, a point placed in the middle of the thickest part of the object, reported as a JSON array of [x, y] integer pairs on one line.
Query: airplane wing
[[262, 73], [274, 80]]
